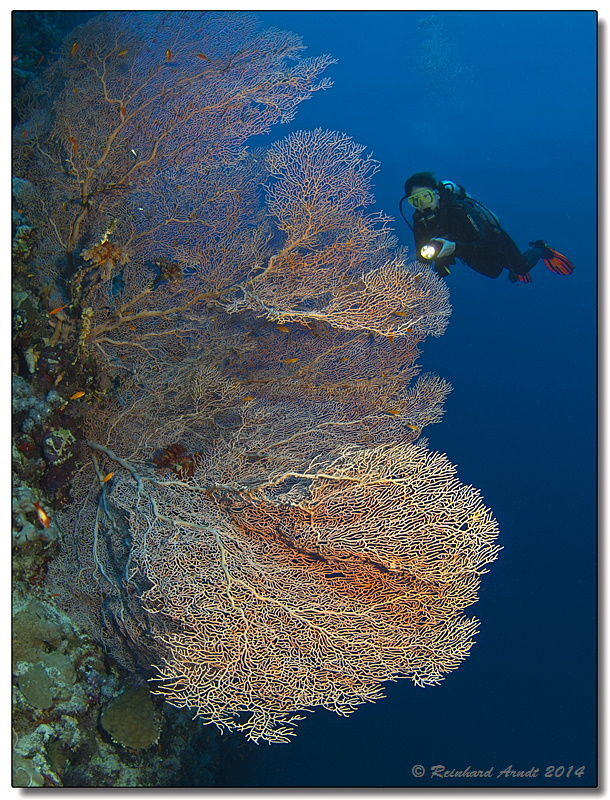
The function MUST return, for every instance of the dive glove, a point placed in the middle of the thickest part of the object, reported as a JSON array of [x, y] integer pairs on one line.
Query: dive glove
[[447, 249]]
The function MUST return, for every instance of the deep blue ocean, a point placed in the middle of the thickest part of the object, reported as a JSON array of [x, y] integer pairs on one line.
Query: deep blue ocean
[[503, 103]]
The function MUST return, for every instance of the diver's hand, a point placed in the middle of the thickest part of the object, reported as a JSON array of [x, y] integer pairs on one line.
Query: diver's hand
[[447, 249]]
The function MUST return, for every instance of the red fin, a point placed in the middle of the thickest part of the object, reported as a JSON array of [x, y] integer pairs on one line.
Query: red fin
[[558, 263], [525, 278]]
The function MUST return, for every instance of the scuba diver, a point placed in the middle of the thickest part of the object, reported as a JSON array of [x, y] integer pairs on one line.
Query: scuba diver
[[448, 223]]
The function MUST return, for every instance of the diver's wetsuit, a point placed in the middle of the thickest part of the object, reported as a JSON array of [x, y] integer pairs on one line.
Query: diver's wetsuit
[[485, 247]]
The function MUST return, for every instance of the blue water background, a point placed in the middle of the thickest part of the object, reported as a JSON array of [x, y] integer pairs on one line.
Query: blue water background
[[505, 104]]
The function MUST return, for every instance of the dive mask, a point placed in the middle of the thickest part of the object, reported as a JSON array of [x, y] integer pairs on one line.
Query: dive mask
[[423, 198]]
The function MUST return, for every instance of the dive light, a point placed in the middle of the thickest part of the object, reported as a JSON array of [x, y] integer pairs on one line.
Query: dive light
[[428, 251]]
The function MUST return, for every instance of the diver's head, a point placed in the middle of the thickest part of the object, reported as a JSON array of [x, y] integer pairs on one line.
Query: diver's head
[[421, 190]]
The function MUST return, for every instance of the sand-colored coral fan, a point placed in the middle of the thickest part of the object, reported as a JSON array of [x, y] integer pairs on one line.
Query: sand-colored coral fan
[[148, 110], [335, 263], [262, 563], [308, 590], [256, 517]]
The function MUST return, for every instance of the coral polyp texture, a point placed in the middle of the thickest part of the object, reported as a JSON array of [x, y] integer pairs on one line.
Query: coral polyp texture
[[256, 516]]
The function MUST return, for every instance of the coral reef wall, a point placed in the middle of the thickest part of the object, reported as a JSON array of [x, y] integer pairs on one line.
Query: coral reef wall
[[253, 513]]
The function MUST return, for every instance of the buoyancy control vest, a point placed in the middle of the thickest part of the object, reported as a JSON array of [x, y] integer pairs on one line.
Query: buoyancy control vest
[[478, 214]]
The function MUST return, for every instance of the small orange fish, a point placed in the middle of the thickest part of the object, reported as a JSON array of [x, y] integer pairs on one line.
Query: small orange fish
[[43, 517], [74, 48], [122, 52], [247, 398], [383, 375], [76, 395], [168, 54], [123, 112], [343, 359], [390, 337], [107, 478], [73, 142], [283, 329], [89, 51], [203, 56], [409, 330], [290, 360], [417, 277], [55, 310], [400, 313], [411, 427], [394, 411]]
